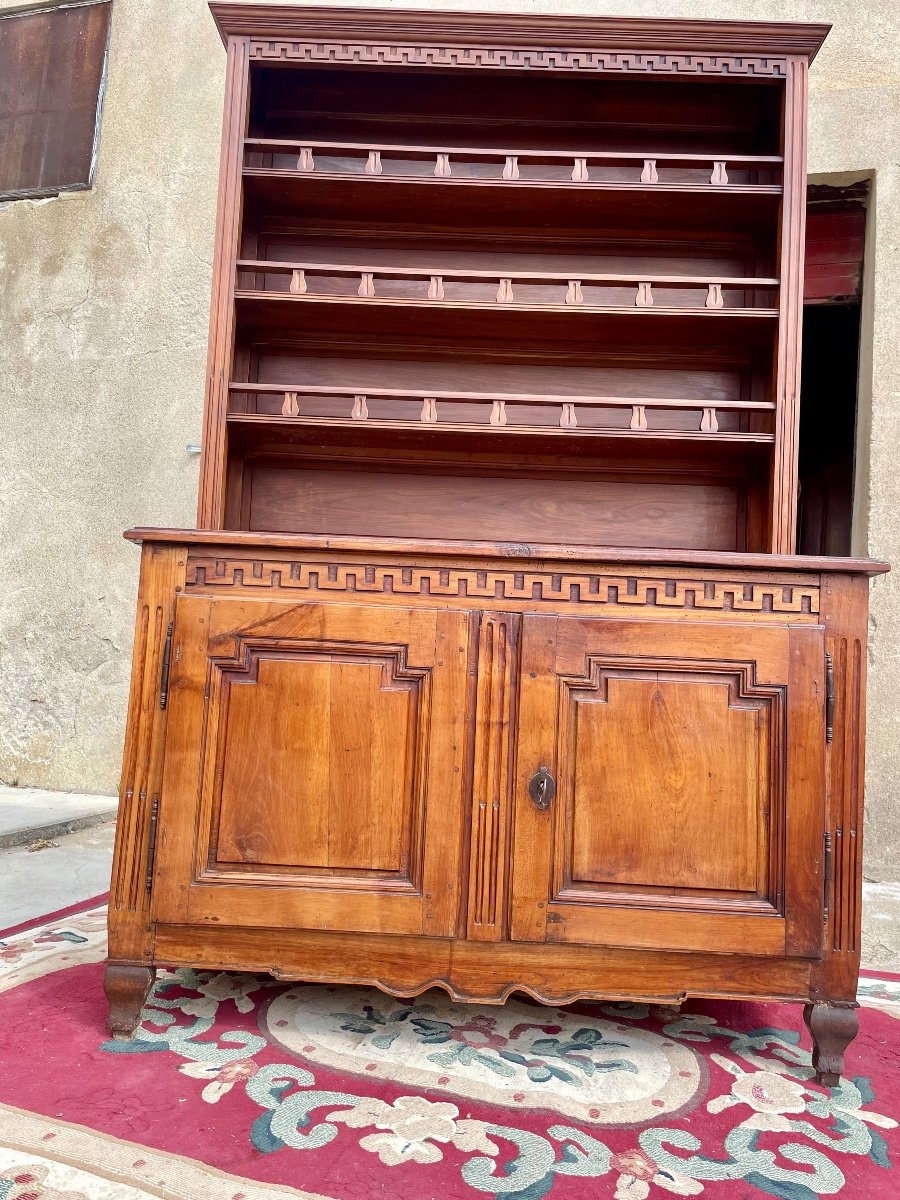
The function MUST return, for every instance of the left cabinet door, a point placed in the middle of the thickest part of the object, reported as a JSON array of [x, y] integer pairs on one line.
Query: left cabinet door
[[314, 767]]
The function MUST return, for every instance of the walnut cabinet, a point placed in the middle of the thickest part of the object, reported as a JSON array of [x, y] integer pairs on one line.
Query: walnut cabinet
[[490, 665]]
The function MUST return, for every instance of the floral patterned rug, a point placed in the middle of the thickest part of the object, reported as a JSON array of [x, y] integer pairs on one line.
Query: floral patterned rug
[[240, 1088]]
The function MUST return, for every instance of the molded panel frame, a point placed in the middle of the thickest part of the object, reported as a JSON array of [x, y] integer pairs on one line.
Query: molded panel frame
[[430, 648], [781, 666]]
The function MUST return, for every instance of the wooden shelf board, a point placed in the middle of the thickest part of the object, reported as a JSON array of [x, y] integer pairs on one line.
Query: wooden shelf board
[[654, 310], [648, 189], [278, 267], [461, 397], [279, 423], [481, 152]]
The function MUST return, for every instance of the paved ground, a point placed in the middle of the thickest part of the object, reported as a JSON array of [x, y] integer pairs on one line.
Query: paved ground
[[28, 813], [881, 926], [77, 866], [55, 849]]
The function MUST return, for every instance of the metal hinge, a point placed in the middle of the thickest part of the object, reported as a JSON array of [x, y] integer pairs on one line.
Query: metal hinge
[[829, 871], [829, 698], [164, 673], [151, 842]]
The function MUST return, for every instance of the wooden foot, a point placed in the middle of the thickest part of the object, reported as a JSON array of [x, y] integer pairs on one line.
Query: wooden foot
[[126, 987], [833, 1026]]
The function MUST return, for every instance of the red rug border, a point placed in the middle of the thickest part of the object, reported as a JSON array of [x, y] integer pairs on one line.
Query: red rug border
[[69, 911]]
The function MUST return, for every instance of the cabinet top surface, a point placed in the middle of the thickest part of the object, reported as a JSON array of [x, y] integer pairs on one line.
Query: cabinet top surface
[[244, 18], [509, 550]]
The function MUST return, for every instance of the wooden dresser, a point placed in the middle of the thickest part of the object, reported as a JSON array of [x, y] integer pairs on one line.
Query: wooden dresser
[[490, 665]]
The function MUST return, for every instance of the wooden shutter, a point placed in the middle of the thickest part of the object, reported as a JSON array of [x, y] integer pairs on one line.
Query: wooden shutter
[[51, 75], [835, 244]]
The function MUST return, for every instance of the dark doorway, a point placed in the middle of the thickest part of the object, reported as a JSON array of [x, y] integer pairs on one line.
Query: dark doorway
[[830, 367], [828, 427]]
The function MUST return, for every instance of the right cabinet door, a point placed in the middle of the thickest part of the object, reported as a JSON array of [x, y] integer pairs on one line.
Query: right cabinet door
[[670, 786]]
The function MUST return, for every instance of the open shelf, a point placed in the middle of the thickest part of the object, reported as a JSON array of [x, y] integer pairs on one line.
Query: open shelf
[[610, 325], [541, 258], [335, 481], [440, 284], [268, 418], [441, 411], [463, 200], [455, 164], [329, 375], [596, 111], [695, 451]]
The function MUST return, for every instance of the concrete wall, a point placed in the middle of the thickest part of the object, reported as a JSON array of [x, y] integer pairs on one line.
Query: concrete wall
[[103, 324]]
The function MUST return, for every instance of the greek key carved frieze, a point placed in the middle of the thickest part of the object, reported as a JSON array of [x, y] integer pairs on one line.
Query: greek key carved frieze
[[515, 57], [600, 588]]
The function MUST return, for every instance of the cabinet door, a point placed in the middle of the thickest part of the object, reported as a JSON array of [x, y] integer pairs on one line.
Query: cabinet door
[[688, 762], [314, 767]]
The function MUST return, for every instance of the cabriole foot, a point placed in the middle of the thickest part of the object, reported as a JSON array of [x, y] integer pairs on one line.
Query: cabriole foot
[[833, 1025], [126, 987]]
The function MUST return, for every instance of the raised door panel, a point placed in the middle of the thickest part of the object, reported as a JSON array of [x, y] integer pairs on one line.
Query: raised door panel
[[688, 766], [305, 742], [334, 781], [685, 756]]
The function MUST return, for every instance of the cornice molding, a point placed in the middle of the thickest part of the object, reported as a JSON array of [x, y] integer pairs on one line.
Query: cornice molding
[[773, 39]]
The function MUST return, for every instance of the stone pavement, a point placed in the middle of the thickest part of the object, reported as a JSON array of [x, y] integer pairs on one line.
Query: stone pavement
[[77, 865], [30, 813], [881, 926], [55, 849]]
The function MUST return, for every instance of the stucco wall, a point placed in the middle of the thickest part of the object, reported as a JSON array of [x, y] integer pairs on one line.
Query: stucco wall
[[103, 320]]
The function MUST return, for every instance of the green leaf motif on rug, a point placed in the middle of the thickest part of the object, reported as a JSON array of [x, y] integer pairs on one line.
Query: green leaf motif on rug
[[782, 1189]]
